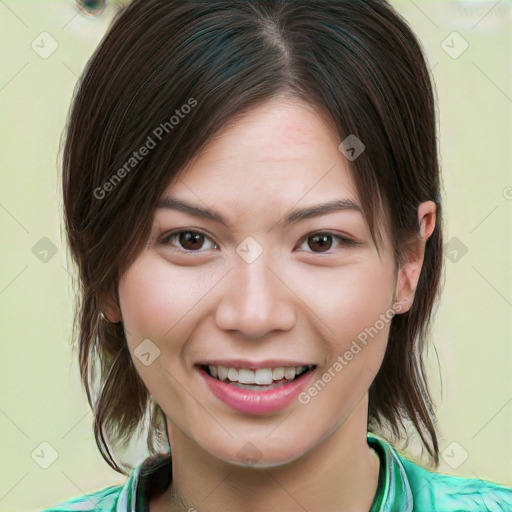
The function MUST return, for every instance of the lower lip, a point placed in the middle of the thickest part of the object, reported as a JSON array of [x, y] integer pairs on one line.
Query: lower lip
[[257, 402]]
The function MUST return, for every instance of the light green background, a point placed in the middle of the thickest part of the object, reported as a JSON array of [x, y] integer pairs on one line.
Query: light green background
[[41, 399]]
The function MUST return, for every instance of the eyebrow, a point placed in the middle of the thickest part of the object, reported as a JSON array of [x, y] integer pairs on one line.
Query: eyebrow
[[292, 218]]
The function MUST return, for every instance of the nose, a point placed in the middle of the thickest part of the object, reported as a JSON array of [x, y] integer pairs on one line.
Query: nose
[[256, 300]]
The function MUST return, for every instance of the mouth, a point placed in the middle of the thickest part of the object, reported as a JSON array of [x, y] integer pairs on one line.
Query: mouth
[[265, 388], [260, 379]]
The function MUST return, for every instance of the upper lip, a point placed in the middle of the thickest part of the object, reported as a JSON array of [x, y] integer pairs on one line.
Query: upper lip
[[241, 363]]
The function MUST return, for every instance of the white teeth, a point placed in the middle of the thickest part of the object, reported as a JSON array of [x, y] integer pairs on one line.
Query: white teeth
[[222, 372], [233, 375], [278, 373], [289, 373], [264, 376], [261, 376], [246, 376]]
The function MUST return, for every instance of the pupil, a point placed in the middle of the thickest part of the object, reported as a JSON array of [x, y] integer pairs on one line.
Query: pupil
[[194, 238], [322, 241]]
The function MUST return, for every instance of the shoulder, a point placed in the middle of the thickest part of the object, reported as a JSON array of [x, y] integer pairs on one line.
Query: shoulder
[[143, 480], [101, 501], [447, 493], [415, 488]]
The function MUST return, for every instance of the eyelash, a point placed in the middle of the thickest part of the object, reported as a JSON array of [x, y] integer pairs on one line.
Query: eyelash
[[343, 241]]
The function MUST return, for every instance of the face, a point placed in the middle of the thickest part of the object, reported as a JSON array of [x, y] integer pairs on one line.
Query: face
[[296, 311]]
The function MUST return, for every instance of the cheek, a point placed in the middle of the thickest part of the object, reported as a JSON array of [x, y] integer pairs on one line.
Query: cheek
[[157, 303], [350, 299], [157, 299], [357, 311], [363, 323]]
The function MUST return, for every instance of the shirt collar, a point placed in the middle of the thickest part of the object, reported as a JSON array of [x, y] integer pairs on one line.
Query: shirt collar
[[152, 474], [394, 491], [393, 488]]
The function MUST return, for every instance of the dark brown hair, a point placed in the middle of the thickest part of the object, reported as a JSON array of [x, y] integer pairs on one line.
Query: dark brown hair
[[356, 62]]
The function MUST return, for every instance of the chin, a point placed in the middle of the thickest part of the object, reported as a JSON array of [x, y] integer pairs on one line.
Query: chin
[[258, 453]]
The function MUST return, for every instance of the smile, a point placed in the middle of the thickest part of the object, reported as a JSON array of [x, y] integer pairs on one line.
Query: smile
[[262, 378], [256, 391]]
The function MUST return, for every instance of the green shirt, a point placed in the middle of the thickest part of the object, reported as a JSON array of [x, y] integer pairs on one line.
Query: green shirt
[[403, 487]]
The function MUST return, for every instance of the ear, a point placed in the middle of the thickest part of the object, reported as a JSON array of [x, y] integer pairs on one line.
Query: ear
[[113, 314], [110, 309], [412, 260]]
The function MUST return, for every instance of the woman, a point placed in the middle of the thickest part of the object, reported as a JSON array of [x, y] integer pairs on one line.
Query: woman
[[252, 199]]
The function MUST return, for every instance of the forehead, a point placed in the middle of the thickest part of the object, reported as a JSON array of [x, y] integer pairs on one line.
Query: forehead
[[280, 153]]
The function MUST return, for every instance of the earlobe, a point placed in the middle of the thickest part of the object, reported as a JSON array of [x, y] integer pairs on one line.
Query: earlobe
[[412, 261], [109, 310], [112, 315]]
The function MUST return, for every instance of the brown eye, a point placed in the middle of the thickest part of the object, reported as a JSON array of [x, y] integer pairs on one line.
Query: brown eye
[[322, 242], [189, 241]]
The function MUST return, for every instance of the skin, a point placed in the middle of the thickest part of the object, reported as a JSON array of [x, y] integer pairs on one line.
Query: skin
[[296, 301]]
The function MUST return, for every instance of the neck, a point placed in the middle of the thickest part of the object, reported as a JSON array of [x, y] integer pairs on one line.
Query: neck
[[339, 473]]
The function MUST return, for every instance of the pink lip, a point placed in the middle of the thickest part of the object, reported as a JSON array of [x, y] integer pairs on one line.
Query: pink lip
[[257, 402], [253, 365]]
